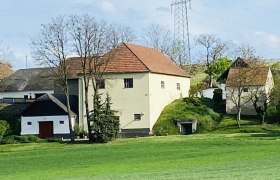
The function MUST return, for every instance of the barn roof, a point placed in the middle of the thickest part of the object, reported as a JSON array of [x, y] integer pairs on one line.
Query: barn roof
[[51, 105], [28, 80], [132, 58], [254, 76]]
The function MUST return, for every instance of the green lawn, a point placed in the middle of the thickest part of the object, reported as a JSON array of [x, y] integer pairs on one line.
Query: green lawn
[[200, 156]]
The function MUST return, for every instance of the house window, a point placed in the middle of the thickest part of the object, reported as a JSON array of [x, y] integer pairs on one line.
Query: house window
[[162, 84], [61, 122], [137, 117], [29, 123], [25, 96], [245, 89], [100, 84], [128, 83], [178, 86]]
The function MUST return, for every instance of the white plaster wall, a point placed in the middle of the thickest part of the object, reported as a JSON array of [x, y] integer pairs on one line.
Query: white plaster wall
[[160, 97], [34, 128], [247, 108], [127, 101], [20, 94]]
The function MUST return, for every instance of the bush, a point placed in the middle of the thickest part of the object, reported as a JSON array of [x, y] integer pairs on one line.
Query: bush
[[272, 114], [218, 95], [4, 126], [19, 139]]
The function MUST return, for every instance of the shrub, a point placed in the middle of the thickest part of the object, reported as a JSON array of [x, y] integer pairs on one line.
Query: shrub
[[19, 139], [4, 126], [218, 95]]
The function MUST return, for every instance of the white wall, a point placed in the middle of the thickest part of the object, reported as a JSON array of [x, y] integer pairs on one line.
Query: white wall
[[127, 101], [146, 97], [34, 128], [21, 94], [160, 97]]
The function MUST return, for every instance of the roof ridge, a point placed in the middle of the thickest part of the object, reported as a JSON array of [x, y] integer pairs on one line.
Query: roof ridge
[[126, 44]]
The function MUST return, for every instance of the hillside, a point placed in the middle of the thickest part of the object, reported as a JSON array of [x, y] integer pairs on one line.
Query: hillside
[[195, 109]]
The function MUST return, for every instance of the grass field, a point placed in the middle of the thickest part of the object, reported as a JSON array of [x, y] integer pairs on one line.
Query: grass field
[[200, 156]]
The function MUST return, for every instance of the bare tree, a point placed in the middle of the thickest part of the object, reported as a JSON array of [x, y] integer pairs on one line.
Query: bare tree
[[51, 48], [238, 87], [120, 34], [161, 38], [244, 51], [92, 41], [214, 48], [4, 54]]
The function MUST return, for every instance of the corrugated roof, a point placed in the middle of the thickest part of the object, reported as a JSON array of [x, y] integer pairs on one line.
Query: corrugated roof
[[29, 79], [255, 76], [132, 58]]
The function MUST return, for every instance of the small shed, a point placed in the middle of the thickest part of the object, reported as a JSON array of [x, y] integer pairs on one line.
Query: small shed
[[48, 118]]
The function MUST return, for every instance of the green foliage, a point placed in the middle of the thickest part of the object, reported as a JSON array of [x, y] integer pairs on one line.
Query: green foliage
[[105, 125], [219, 67], [197, 89], [188, 108], [12, 139], [4, 126]]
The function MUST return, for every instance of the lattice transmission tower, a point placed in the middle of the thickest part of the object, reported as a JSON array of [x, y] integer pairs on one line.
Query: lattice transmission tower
[[181, 30]]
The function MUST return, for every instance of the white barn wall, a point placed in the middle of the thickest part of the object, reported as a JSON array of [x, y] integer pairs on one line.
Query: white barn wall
[[21, 94], [160, 97], [34, 128]]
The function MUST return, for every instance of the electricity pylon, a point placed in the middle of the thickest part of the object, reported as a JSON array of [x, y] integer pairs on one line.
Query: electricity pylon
[[181, 31]]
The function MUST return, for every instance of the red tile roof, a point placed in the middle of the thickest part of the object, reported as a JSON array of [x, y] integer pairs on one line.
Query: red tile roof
[[132, 58], [255, 76]]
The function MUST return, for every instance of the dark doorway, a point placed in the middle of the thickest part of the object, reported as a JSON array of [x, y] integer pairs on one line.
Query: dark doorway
[[45, 129], [186, 128]]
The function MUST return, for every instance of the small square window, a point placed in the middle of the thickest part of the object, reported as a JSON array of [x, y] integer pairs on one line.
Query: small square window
[[245, 89], [162, 84], [128, 83], [178, 86], [61, 122], [100, 84], [137, 117], [29, 123]]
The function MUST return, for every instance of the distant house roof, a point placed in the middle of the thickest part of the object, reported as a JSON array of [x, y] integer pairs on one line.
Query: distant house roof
[[132, 58], [5, 71], [28, 80], [254, 76], [239, 62], [52, 105]]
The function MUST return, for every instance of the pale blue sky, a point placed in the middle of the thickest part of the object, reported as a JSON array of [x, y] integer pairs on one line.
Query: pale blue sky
[[255, 22]]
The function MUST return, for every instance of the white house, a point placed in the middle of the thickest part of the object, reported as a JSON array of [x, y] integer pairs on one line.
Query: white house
[[141, 81], [27, 84], [247, 81], [47, 117]]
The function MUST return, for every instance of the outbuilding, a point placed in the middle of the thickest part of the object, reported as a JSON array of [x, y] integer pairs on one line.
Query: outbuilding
[[47, 117]]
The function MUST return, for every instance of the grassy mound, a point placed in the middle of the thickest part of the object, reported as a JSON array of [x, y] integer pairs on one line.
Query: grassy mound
[[189, 109]]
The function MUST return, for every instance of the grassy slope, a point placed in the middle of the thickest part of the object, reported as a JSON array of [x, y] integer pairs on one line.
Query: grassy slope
[[172, 157]]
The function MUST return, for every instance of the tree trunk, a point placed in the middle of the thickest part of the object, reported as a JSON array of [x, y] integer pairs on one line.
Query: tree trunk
[[263, 116], [238, 116], [69, 117]]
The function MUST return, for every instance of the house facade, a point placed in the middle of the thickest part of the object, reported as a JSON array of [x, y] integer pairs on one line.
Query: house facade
[[141, 82], [248, 82]]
